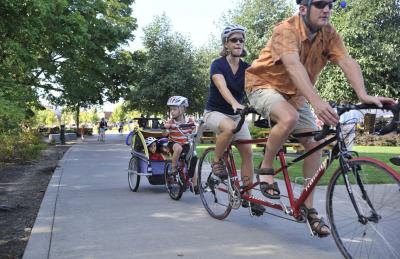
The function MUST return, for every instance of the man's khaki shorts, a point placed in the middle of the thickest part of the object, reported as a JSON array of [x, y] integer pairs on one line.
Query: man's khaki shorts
[[263, 100], [214, 118]]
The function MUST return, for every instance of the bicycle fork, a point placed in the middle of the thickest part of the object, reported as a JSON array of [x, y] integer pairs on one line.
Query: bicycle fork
[[374, 217]]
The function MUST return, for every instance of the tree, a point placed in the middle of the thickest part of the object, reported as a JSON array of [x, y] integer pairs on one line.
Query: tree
[[259, 17], [118, 114], [68, 51], [169, 69], [370, 32]]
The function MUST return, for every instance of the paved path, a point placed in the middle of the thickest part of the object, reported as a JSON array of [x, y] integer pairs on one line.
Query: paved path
[[89, 212]]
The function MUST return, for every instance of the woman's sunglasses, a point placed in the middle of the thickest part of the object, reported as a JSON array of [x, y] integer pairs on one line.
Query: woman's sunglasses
[[322, 4], [234, 40]]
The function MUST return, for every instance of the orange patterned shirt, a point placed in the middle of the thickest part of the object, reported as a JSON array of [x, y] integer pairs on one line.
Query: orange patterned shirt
[[290, 36], [174, 134]]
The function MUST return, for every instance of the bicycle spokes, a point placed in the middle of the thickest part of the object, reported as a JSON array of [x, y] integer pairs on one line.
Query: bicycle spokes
[[364, 222]]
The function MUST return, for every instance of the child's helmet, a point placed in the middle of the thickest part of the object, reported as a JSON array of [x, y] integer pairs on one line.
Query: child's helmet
[[178, 101], [150, 140]]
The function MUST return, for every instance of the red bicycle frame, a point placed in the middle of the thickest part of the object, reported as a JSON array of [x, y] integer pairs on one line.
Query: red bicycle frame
[[295, 203]]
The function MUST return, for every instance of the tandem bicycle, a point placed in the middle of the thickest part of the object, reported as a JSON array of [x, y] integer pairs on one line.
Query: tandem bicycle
[[362, 196]]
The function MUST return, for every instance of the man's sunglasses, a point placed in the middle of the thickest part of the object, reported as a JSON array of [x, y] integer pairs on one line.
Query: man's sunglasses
[[322, 4], [234, 40]]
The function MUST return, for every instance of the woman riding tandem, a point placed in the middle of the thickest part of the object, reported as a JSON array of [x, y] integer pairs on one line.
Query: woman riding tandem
[[225, 97]]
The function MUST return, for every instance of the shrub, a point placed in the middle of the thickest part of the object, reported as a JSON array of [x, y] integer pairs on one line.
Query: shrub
[[20, 147], [256, 132], [374, 140]]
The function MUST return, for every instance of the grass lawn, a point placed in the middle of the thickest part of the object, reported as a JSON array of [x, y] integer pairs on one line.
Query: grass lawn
[[377, 152]]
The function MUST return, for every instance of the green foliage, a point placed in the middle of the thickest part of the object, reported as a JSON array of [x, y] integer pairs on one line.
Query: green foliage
[[20, 147], [45, 117], [118, 114], [66, 51], [11, 116], [89, 116], [370, 32], [259, 17], [257, 132], [169, 69]]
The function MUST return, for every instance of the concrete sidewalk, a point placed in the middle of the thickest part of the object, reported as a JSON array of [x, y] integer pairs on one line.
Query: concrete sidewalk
[[89, 212]]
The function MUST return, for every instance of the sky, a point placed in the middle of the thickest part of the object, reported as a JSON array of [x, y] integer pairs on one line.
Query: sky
[[196, 19]]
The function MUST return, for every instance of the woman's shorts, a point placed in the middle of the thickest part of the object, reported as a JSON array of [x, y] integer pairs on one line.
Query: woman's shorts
[[213, 119]]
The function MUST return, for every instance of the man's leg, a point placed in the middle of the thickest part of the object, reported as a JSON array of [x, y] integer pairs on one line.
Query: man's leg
[[285, 116], [311, 164]]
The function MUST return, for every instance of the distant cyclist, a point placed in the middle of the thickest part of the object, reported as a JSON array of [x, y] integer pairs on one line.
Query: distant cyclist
[[103, 128], [280, 86]]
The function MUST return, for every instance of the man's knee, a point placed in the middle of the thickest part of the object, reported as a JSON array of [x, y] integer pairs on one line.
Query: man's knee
[[285, 115], [309, 143]]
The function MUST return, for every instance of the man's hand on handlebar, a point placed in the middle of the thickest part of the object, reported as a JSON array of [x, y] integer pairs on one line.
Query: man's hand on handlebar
[[325, 113], [377, 100]]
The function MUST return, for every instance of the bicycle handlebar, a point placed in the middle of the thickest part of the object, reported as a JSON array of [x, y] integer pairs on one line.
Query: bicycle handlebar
[[180, 126], [243, 113], [394, 109]]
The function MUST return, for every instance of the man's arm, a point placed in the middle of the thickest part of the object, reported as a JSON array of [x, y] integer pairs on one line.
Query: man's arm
[[301, 80], [352, 71]]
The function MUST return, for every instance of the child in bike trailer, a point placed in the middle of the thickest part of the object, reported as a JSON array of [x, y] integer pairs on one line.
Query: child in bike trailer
[[178, 142], [154, 154]]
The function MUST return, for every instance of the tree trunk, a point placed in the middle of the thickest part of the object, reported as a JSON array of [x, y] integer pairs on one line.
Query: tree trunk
[[77, 120]]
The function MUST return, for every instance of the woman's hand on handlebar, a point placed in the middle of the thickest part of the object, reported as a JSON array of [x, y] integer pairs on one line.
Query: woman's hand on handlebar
[[236, 107]]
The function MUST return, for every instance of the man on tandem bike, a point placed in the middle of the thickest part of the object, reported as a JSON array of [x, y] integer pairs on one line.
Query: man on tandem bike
[[280, 86]]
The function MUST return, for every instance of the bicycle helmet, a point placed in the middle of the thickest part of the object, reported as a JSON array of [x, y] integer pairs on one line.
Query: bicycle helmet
[[178, 101], [231, 29], [307, 2], [150, 140]]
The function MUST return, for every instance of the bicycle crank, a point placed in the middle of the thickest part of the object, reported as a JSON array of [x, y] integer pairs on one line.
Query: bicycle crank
[[234, 196]]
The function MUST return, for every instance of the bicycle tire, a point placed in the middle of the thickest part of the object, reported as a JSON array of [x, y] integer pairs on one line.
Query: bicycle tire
[[174, 188], [133, 177], [213, 192], [378, 237]]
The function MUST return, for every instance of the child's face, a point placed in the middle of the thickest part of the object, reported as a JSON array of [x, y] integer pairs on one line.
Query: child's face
[[175, 111], [153, 147]]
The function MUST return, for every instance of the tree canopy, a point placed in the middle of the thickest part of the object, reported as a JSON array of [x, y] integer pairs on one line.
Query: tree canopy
[[370, 32], [65, 51], [169, 69]]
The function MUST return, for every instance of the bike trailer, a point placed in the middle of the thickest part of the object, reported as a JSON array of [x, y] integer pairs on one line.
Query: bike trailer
[[152, 169]]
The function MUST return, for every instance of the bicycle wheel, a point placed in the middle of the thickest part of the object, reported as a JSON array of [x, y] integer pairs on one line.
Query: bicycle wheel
[[133, 177], [377, 234], [213, 191], [172, 183]]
